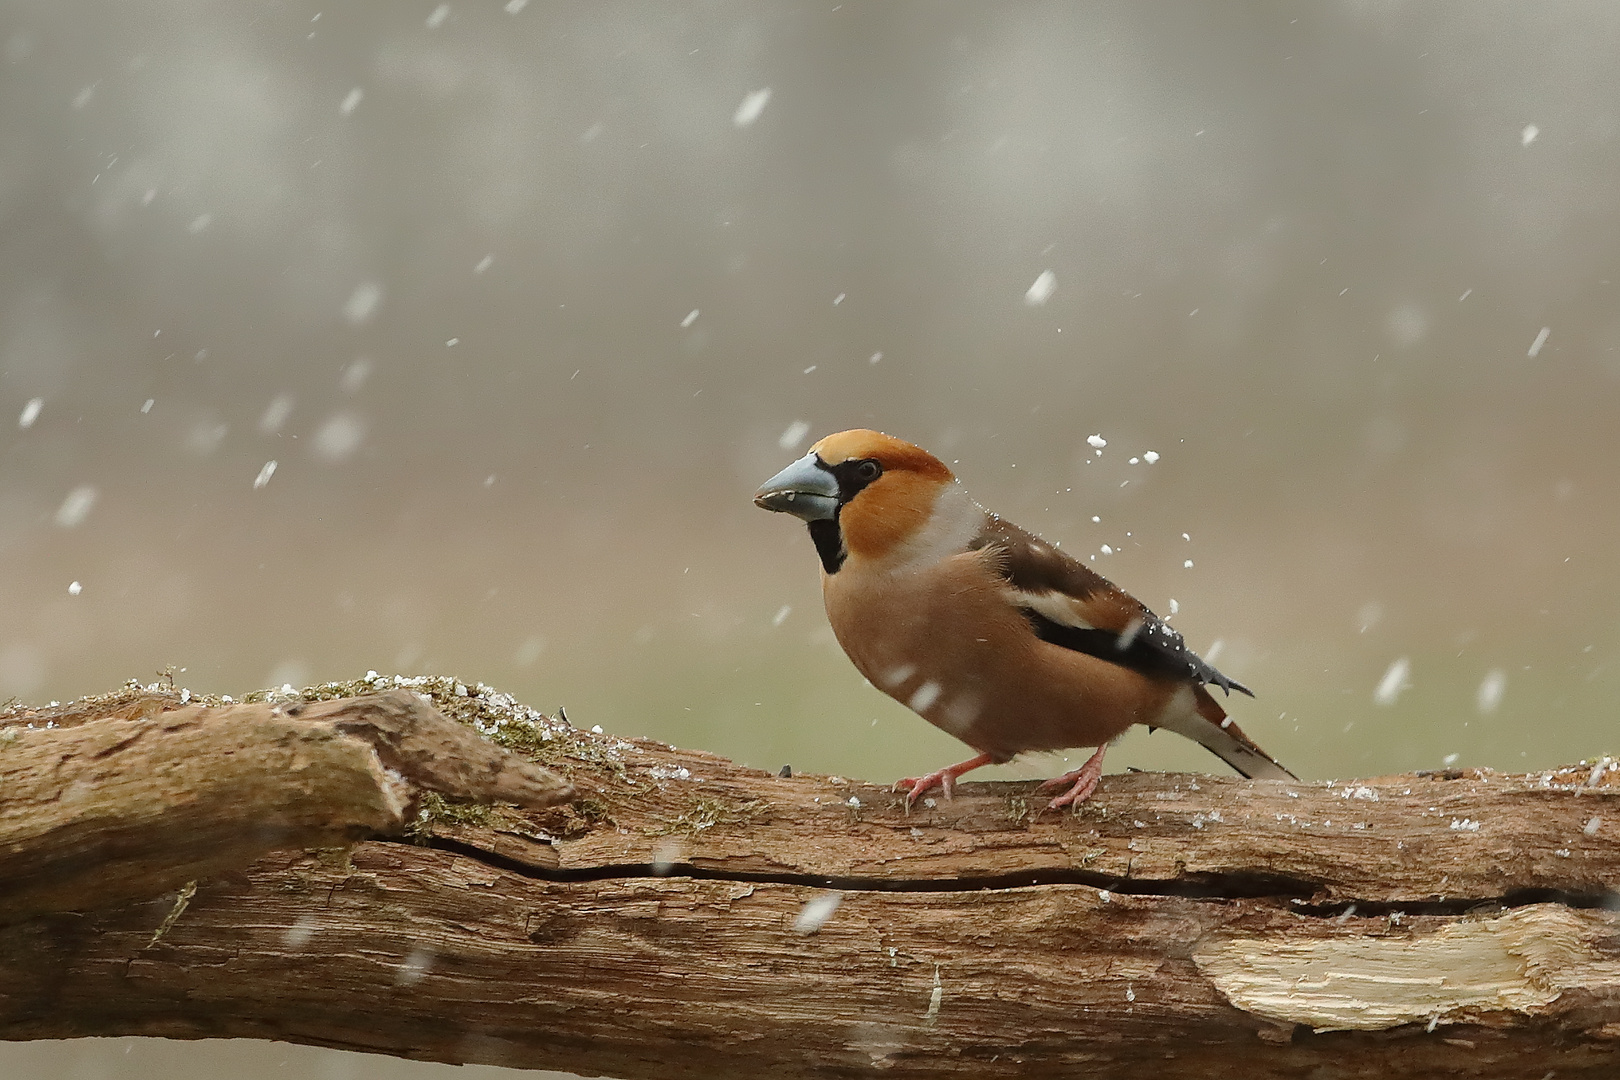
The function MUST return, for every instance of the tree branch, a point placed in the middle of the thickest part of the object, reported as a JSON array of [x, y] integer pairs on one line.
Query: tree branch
[[100, 807], [681, 916]]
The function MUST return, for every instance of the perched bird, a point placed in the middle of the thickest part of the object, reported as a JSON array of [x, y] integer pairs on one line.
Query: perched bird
[[985, 630]]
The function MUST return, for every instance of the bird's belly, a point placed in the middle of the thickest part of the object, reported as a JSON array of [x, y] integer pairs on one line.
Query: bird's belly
[[950, 648]]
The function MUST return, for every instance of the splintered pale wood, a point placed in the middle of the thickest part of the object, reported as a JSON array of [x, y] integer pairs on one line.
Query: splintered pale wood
[[95, 809], [682, 916]]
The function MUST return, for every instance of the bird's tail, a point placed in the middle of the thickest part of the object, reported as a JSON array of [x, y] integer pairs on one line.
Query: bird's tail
[[1208, 725]]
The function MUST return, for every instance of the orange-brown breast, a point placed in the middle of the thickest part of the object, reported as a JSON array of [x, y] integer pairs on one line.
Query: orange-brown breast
[[942, 640]]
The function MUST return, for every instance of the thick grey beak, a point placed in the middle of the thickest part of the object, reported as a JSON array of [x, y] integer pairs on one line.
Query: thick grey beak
[[803, 489]]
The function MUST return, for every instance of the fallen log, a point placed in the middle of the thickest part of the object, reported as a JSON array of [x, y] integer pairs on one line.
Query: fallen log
[[681, 916]]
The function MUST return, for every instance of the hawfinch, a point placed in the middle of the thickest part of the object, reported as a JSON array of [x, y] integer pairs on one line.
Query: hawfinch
[[985, 630]]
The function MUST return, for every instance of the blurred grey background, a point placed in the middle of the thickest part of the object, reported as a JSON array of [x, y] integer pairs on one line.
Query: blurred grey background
[[455, 337]]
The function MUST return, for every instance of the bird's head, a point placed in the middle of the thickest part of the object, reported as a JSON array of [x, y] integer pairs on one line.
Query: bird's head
[[864, 493]]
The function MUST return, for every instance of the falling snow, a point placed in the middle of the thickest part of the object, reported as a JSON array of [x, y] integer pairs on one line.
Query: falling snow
[[205, 436], [1541, 339], [340, 436], [1528, 135], [794, 435], [753, 103], [1040, 292], [816, 911], [265, 474], [1096, 441], [528, 652], [691, 317], [355, 375], [362, 303], [669, 854], [437, 17], [351, 101], [1491, 689], [74, 588], [1394, 682], [76, 507], [420, 961], [276, 414], [298, 934], [30, 413]]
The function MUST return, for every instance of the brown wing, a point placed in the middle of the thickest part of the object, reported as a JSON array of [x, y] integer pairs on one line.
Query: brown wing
[[1069, 604]]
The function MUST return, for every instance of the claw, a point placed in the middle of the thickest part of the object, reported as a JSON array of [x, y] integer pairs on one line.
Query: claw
[[944, 779], [1081, 782]]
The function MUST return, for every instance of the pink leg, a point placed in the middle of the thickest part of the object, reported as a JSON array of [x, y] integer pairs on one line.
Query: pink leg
[[944, 779], [1084, 781]]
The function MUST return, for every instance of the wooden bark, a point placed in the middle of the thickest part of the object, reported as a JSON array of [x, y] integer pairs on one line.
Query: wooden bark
[[98, 806], [682, 916]]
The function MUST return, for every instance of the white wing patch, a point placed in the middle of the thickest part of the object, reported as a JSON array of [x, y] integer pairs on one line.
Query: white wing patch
[[1060, 608]]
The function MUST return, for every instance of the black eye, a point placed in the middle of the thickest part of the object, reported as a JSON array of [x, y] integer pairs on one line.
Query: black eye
[[869, 470]]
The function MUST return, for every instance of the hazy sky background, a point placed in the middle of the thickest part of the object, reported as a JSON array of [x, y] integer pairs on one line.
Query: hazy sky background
[[523, 300]]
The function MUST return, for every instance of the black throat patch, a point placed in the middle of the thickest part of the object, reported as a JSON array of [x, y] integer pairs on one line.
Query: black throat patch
[[826, 535], [829, 541]]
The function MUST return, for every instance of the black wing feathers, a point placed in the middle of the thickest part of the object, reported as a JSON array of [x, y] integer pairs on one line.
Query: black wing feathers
[[1155, 649], [1116, 627]]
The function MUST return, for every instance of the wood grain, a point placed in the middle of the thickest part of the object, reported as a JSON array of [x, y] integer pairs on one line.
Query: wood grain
[[682, 916], [152, 793]]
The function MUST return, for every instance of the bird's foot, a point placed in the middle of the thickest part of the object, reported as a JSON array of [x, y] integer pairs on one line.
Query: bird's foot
[[944, 779], [1081, 782], [916, 786]]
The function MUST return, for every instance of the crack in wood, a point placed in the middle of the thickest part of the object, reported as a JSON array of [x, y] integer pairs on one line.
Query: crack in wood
[[1215, 887], [654, 925]]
